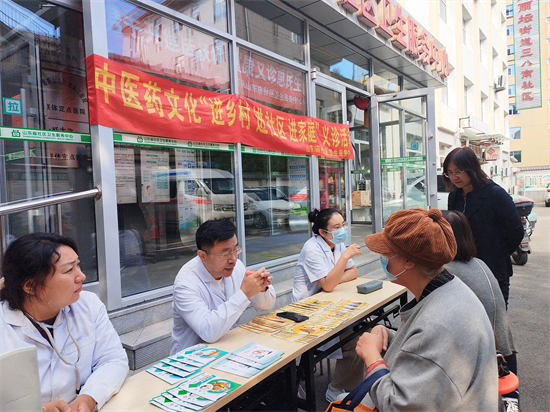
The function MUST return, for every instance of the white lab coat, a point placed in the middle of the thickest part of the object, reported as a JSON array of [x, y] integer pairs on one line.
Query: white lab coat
[[103, 363], [202, 312], [315, 261]]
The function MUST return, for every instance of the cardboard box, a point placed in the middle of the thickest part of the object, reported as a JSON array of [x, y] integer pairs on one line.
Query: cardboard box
[[360, 198]]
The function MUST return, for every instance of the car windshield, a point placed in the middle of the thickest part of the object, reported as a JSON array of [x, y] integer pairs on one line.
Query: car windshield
[[221, 186], [265, 195]]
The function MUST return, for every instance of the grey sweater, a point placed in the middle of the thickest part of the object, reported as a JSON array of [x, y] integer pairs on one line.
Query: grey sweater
[[477, 275], [442, 358]]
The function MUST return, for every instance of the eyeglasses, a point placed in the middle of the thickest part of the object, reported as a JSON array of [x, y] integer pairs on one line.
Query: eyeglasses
[[226, 255], [338, 227], [456, 173]]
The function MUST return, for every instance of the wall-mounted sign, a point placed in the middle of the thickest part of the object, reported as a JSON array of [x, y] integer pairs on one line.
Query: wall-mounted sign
[[392, 22], [12, 106], [527, 54], [492, 153]]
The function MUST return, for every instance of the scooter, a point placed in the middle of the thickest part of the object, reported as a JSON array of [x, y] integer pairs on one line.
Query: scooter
[[524, 206]]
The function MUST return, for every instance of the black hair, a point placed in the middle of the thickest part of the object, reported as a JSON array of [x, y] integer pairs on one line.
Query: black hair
[[464, 158], [465, 244], [29, 260], [212, 231], [320, 218]]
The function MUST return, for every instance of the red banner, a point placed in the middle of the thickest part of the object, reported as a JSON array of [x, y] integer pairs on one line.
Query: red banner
[[128, 99]]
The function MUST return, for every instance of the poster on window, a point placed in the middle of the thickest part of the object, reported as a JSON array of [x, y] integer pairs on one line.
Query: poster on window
[[125, 175], [154, 176], [297, 176], [185, 161]]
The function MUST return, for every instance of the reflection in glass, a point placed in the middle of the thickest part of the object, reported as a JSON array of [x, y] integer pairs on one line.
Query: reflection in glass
[[156, 44], [277, 190], [331, 185], [385, 81], [212, 12], [336, 60], [270, 27], [42, 61], [415, 146], [328, 104], [163, 196]]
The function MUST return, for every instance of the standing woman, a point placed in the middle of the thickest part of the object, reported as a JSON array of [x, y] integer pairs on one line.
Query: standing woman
[[81, 362], [324, 263], [492, 215]]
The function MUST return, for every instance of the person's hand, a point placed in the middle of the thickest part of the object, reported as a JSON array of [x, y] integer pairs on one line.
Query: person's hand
[[83, 403], [384, 332], [369, 346], [56, 406], [352, 251], [254, 282]]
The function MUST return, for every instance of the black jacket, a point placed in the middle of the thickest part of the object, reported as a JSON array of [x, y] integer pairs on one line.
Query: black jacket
[[495, 224]]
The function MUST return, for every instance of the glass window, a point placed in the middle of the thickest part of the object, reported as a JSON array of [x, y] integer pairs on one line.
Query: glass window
[[272, 28], [510, 49], [163, 195], [515, 133], [385, 81], [512, 90], [511, 70], [211, 12], [510, 10], [516, 154], [407, 85], [42, 61], [336, 60], [443, 10], [273, 84], [512, 109], [276, 189], [509, 30], [159, 45]]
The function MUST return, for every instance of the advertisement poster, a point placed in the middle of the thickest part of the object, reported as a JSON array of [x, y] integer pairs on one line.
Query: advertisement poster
[[154, 176], [185, 160], [297, 176], [125, 175]]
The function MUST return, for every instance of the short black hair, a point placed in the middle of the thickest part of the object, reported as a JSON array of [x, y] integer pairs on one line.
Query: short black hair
[[30, 258], [465, 244], [320, 218], [464, 158], [212, 231]]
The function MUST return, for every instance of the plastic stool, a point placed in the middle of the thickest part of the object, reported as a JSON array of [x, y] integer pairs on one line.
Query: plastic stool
[[507, 384]]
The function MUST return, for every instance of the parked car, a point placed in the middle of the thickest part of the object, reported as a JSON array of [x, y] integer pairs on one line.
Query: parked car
[[442, 193], [269, 206]]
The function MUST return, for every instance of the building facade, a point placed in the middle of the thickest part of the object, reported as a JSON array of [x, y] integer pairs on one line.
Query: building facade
[[528, 42], [380, 68]]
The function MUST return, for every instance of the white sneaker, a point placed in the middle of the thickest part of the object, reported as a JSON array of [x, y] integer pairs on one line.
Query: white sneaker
[[301, 392], [332, 394], [510, 405]]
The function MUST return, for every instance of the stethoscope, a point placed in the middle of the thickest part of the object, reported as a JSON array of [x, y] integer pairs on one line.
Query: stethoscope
[[46, 328]]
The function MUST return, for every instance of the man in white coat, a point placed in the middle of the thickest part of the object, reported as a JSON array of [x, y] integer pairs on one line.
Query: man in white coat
[[212, 290]]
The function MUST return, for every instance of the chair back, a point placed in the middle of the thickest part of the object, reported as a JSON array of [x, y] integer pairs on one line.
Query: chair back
[[19, 381]]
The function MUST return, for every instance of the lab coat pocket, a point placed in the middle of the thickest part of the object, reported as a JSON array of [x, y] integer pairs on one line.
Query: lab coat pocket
[[83, 343]]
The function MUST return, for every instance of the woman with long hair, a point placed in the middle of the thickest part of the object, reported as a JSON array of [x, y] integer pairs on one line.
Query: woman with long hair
[[493, 217]]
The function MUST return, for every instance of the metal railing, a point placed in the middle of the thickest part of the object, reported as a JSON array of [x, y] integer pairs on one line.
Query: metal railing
[[56, 200]]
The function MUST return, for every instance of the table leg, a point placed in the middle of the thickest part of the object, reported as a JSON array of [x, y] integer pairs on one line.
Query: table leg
[[308, 365]]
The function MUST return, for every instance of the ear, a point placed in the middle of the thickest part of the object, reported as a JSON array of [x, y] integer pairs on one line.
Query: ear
[[201, 254], [409, 265], [28, 287]]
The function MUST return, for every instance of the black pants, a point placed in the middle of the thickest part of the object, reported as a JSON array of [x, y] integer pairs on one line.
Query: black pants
[[505, 289]]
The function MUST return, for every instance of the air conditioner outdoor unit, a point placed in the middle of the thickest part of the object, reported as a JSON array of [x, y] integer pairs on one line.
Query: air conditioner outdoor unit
[[500, 84]]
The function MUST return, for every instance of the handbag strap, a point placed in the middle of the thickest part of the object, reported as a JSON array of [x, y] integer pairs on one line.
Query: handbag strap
[[357, 395]]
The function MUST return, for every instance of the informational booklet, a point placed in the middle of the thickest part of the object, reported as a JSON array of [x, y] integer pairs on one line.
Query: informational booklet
[[168, 405], [236, 368], [257, 365], [209, 386], [180, 365], [175, 399], [171, 369], [258, 353], [200, 356], [189, 397], [165, 376]]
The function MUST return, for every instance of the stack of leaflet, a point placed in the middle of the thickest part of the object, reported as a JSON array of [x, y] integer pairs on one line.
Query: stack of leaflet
[[194, 394], [248, 360], [174, 369]]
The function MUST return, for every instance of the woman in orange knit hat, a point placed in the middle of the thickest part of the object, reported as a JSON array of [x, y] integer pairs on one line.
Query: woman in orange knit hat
[[442, 358]]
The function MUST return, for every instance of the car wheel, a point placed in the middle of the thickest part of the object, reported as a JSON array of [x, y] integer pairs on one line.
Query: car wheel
[[262, 221], [520, 257], [547, 203]]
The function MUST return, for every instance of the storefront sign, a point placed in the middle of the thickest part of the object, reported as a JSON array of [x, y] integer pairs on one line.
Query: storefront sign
[[166, 142], [391, 22], [19, 154], [527, 54], [393, 161], [129, 99], [254, 150], [43, 135], [12, 106], [274, 83], [492, 153]]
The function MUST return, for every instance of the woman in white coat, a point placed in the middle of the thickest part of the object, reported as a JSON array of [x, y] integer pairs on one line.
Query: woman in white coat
[[81, 361], [324, 263]]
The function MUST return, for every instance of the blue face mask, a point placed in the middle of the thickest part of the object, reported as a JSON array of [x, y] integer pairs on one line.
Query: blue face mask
[[339, 235], [384, 260]]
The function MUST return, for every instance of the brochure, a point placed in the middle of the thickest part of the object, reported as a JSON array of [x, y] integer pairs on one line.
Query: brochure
[[175, 399], [258, 353], [200, 356], [209, 386], [165, 376], [168, 405], [171, 369], [236, 368], [189, 397]]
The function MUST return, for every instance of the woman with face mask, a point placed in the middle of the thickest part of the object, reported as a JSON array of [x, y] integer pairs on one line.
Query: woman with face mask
[[324, 263]]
